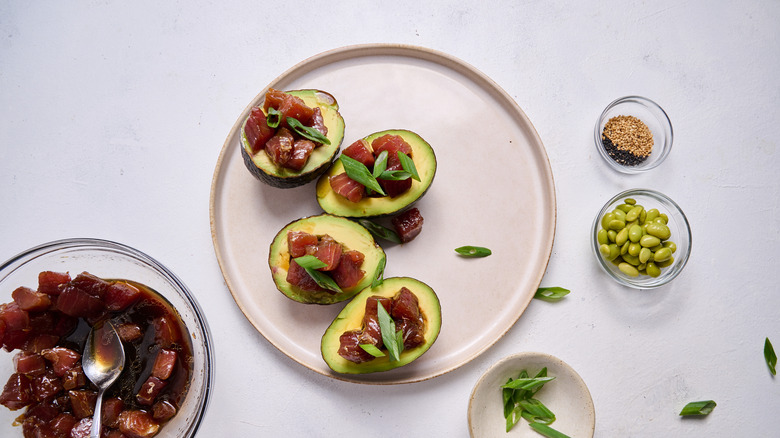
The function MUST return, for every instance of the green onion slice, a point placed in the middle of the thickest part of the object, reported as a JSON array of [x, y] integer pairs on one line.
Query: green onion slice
[[389, 335], [408, 165], [394, 175], [536, 412], [698, 408], [528, 383], [372, 350], [380, 231], [473, 251], [551, 294], [380, 272], [771, 358], [273, 118], [306, 131], [380, 164], [547, 431], [360, 173], [311, 264]]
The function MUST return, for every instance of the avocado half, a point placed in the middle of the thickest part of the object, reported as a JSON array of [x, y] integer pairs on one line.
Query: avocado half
[[261, 166], [424, 160], [350, 234], [351, 318]]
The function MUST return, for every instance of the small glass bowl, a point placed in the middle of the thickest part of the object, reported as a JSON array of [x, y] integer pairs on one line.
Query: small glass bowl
[[678, 224], [112, 260], [651, 115]]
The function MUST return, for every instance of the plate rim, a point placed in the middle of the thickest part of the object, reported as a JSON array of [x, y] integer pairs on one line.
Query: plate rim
[[384, 49]]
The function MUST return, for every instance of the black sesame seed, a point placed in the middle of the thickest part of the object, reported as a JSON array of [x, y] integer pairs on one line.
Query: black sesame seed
[[625, 158]]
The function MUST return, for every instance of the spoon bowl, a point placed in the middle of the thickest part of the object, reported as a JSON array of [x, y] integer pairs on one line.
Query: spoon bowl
[[103, 362]]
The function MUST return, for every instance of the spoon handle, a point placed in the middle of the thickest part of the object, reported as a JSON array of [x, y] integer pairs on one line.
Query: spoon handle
[[94, 431]]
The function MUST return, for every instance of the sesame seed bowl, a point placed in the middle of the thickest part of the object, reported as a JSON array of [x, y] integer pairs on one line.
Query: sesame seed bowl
[[633, 134]]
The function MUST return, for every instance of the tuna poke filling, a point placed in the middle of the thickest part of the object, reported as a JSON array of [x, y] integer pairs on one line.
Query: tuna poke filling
[[285, 128], [341, 264], [49, 327], [405, 311], [390, 169]]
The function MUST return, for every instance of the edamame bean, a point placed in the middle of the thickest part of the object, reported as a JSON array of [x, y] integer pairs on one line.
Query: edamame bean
[[622, 236], [606, 219], [653, 270], [662, 255], [649, 241], [616, 224], [645, 254], [651, 214], [633, 214], [612, 235], [604, 250], [671, 245], [634, 248], [603, 236], [664, 217], [619, 214], [614, 251], [624, 248], [625, 207], [630, 201], [634, 233], [634, 260], [665, 264], [660, 231], [628, 270]]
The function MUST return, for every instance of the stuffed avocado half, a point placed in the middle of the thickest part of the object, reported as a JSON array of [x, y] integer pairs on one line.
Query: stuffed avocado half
[[352, 256], [255, 133], [357, 324], [335, 191]]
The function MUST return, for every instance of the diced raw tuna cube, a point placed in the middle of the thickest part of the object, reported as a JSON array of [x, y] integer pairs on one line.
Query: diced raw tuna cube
[[394, 188], [62, 424], [109, 414], [17, 392], [46, 386], [74, 378], [350, 349], [62, 359], [392, 144], [165, 331], [91, 284], [360, 151], [317, 122], [129, 332], [16, 339], [371, 332], [301, 151], [137, 424], [120, 295], [51, 283], [163, 410], [15, 317], [298, 241], [41, 342], [81, 429], [257, 130], [76, 302], [164, 363], [279, 148], [30, 300], [289, 106], [408, 319], [408, 224], [348, 273], [328, 252], [347, 187], [150, 390], [30, 364], [297, 276], [82, 402]]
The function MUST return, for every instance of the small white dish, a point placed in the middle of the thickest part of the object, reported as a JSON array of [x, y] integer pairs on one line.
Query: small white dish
[[567, 396]]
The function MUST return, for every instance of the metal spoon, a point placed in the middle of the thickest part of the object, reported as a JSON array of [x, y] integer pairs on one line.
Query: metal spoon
[[103, 362]]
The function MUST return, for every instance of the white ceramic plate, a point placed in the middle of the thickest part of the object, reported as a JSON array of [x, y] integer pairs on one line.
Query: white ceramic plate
[[567, 396], [493, 188]]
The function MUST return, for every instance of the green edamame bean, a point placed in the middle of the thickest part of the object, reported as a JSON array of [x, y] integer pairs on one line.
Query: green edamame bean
[[616, 224], [612, 235], [624, 248], [614, 252], [602, 236], [628, 270], [630, 201], [633, 214], [642, 216], [664, 217], [635, 233], [671, 245], [660, 231], [606, 219], [651, 214], [653, 270], [625, 207], [656, 248], [649, 241], [645, 254], [619, 214], [662, 255], [666, 263], [622, 236], [604, 250], [642, 267], [634, 248], [632, 259]]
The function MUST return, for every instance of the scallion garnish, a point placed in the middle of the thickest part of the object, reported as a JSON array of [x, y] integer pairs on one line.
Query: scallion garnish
[[306, 131], [311, 264], [547, 431], [380, 164], [380, 272], [389, 335], [698, 408], [551, 294], [408, 165], [273, 118], [380, 231], [771, 358], [360, 173], [473, 251], [372, 350], [536, 412], [528, 384], [394, 175], [517, 395]]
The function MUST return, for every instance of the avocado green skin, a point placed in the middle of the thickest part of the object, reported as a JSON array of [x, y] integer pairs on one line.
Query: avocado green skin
[[263, 169], [351, 318], [425, 162], [350, 234]]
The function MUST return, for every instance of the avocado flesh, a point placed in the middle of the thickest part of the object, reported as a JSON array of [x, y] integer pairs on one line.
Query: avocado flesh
[[261, 166], [425, 162], [351, 235], [351, 318]]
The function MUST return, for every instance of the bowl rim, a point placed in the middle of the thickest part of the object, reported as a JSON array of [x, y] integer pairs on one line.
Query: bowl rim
[[673, 270], [20, 259], [661, 116]]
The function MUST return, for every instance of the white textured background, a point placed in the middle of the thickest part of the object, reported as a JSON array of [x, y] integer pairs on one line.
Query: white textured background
[[112, 116]]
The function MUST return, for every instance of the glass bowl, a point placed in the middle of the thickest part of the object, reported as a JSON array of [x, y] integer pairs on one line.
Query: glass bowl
[[680, 235], [111, 260], [652, 115]]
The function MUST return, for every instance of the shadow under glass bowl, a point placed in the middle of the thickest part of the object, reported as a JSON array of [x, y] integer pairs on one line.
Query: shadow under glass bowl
[[680, 235], [111, 260]]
